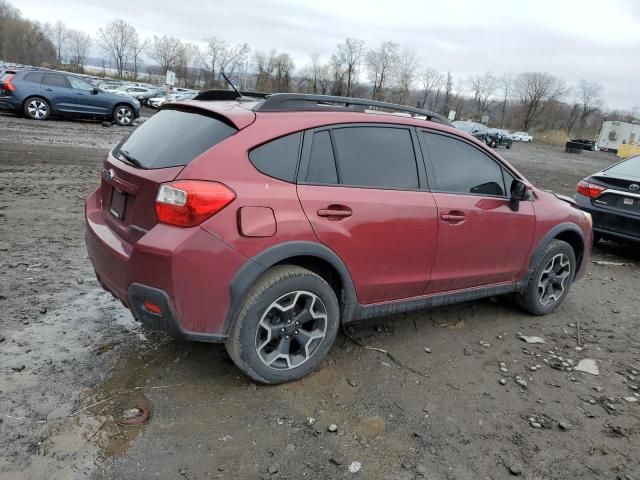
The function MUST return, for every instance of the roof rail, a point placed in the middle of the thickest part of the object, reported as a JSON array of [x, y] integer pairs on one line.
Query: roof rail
[[228, 95], [283, 102]]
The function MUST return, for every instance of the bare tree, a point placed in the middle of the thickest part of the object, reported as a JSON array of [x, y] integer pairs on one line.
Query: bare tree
[[283, 69], [430, 79], [380, 63], [535, 89], [265, 65], [482, 87], [116, 39], [60, 35], [138, 46], [405, 73], [79, 43], [590, 93], [224, 58], [166, 51], [448, 87], [349, 55], [506, 81]]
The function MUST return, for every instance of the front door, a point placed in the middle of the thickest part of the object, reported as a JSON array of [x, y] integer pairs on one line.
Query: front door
[[363, 192], [481, 240], [58, 92], [86, 100]]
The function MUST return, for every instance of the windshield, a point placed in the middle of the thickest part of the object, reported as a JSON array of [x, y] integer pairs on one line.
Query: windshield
[[628, 168]]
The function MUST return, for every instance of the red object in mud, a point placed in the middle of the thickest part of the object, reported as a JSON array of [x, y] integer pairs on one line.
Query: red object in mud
[[264, 224]]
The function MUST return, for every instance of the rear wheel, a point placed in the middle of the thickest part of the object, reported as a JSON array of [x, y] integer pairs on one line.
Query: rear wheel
[[286, 325], [123, 115], [37, 108], [551, 279]]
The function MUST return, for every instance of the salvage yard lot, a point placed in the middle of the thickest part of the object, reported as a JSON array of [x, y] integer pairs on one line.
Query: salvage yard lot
[[72, 360]]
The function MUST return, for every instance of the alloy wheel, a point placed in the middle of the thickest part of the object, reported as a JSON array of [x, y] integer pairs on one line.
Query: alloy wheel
[[554, 279], [38, 109], [290, 330], [124, 116]]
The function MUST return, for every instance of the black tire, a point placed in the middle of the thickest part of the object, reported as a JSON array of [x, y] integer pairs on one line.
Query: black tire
[[596, 238], [36, 108], [531, 298], [123, 115], [247, 345], [509, 146]]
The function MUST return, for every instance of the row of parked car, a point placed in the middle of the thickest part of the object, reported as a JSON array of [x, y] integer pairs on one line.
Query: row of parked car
[[494, 137], [149, 95]]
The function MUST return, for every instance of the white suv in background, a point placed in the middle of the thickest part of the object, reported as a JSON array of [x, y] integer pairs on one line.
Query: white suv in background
[[521, 137]]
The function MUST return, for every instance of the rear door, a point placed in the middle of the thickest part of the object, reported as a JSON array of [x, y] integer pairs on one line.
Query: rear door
[[57, 91], [481, 241], [365, 195]]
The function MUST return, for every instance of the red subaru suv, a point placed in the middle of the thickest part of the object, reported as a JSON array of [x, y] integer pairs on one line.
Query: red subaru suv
[[265, 223]]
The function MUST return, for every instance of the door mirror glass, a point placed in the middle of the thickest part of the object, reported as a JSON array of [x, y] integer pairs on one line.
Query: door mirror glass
[[518, 190]]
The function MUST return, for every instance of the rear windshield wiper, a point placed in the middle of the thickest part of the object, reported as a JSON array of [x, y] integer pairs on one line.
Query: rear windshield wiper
[[130, 158]]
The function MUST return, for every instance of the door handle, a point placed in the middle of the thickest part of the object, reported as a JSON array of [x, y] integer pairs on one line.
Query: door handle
[[49, 89], [454, 217], [335, 211]]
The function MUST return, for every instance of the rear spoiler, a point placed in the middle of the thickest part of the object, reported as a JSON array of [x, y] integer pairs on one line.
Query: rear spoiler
[[229, 95]]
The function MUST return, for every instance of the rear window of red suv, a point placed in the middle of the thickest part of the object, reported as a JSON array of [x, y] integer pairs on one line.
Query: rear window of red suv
[[173, 138]]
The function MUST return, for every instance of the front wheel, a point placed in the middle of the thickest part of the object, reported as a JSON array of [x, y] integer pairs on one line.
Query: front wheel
[[286, 325], [551, 279], [37, 108], [123, 115]]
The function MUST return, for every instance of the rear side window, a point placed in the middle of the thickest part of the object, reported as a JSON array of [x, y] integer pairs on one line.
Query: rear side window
[[54, 80], [279, 157], [462, 168], [378, 157], [322, 164], [34, 77], [173, 138]]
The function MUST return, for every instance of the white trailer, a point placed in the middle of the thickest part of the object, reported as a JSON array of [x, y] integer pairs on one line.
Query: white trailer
[[614, 134]]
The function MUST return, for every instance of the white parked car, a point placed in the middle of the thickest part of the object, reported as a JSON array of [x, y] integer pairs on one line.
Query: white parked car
[[521, 137], [133, 91]]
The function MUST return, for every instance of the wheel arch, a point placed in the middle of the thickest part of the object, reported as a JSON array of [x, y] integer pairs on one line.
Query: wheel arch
[[310, 255], [31, 97], [567, 232]]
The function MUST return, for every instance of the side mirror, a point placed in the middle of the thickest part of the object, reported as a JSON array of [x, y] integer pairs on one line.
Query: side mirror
[[518, 193], [95, 91]]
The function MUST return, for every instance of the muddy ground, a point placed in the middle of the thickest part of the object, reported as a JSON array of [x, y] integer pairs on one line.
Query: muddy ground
[[72, 360]]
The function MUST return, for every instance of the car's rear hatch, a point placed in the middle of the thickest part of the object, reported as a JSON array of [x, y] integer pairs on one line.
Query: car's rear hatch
[[155, 153]]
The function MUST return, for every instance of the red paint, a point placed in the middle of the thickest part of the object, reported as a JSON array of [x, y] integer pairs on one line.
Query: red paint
[[395, 244]]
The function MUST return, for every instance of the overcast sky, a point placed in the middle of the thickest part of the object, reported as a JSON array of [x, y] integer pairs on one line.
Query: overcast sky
[[572, 39]]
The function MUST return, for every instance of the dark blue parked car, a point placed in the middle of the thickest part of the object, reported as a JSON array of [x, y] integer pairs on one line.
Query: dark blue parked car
[[40, 94]]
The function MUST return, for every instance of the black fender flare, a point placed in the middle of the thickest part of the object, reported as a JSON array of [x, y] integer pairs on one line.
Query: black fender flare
[[546, 240], [256, 266]]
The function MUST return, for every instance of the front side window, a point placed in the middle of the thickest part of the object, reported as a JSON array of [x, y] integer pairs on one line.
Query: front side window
[[78, 84], [461, 168], [377, 157]]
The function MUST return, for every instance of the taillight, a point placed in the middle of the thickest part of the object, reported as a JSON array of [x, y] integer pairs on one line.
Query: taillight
[[591, 190], [187, 203], [7, 83]]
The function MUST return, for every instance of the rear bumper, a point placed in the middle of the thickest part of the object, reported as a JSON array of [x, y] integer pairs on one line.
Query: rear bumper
[[184, 271], [9, 103], [610, 222]]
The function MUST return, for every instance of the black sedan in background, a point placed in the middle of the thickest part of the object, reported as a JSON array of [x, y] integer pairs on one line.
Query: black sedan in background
[[478, 130], [500, 138], [612, 196]]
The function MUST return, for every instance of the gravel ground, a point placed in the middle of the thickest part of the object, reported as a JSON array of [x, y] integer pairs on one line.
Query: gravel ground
[[72, 360]]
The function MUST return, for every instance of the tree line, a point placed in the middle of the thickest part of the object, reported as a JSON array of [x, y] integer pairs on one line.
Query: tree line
[[387, 71]]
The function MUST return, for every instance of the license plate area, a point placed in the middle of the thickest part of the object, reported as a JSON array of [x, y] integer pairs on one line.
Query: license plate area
[[118, 203]]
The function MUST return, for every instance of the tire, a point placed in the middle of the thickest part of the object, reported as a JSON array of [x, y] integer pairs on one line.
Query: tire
[[596, 238], [266, 343], [540, 300], [508, 147], [36, 108], [123, 115]]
